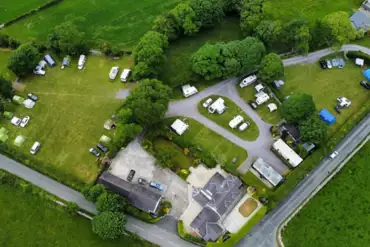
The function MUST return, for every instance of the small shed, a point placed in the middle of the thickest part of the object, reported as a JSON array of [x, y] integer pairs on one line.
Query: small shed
[[366, 73], [360, 62], [109, 124], [327, 117], [179, 127]]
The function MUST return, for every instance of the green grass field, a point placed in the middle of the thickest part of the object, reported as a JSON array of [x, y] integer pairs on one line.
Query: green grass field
[[177, 66], [28, 220], [121, 22], [247, 93], [179, 158], [326, 85], [11, 9], [250, 134], [4, 55], [222, 149], [338, 216], [68, 118], [287, 10]]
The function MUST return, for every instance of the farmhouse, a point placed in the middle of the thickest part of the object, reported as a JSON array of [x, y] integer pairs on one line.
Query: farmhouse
[[287, 153], [139, 196]]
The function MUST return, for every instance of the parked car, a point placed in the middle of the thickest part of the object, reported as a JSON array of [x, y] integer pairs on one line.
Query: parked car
[[35, 147], [337, 109], [323, 64], [142, 181], [113, 72], [156, 185], [16, 121], [244, 126], [131, 175], [38, 71], [32, 96], [365, 84], [207, 103], [335, 62], [24, 121], [341, 63], [81, 62], [94, 152], [333, 155], [252, 104], [102, 147], [328, 63]]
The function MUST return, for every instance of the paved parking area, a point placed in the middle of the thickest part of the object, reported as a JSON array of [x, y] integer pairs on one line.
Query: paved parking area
[[134, 157]]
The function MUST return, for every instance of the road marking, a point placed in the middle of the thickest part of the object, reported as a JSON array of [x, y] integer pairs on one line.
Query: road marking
[[138, 227]]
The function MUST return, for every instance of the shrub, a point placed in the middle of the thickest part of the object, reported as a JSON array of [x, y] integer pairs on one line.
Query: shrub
[[72, 208], [109, 225]]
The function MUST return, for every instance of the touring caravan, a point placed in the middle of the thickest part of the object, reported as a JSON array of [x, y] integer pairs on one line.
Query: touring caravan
[[81, 62], [248, 81], [125, 74]]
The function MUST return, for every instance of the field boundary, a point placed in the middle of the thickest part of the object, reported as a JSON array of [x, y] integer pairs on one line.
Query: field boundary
[[332, 174], [31, 12]]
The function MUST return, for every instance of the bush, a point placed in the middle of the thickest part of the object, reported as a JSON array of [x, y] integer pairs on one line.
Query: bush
[[72, 208], [8, 42], [141, 215], [109, 225]]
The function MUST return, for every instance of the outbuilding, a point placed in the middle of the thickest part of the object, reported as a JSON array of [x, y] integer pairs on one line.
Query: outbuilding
[[327, 117], [267, 172], [287, 153], [360, 62], [179, 127]]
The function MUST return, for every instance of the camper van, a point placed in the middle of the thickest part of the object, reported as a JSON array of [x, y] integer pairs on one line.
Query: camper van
[[262, 99], [125, 74], [50, 61], [236, 121], [35, 148], [81, 62], [248, 81]]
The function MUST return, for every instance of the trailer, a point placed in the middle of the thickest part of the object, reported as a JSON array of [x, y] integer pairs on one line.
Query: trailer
[[236, 121]]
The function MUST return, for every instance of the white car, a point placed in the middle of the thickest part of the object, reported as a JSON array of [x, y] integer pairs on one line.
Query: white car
[[207, 103], [16, 121], [113, 72], [81, 62], [328, 63], [35, 147], [39, 71], [343, 101], [24, 121], [244, 126], [333, 155]]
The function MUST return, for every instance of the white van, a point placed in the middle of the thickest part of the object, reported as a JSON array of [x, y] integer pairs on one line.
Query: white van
[[262, 99], [125, 74], [35, 148], [81, 62], [236, 121], [248, 81]]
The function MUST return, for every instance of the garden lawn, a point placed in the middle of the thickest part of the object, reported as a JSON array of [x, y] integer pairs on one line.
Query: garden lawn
[[251, 180], [222, 149], [250, 134], [338, 216], [288, 10], [179, 158], [326, 85], [4, 55], [12, 9], [28, 220], [247, 94], [68, 118], [121, 22], [177, 65]]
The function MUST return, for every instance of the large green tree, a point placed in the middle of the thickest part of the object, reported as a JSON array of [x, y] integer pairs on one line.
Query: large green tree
[[296, 35], [166, 25], [149, 101], [298, 107], [269, 32], [126, 133], [6, 89], [186, 19], [208, 12], [66, 39], [109, 225], [24, 60], [251, 15], [92, 192], [206, 61], [340, 27], [271, 68], [313, 130], [110, 202]]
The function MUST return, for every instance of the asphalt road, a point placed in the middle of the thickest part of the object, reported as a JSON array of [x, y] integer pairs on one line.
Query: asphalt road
[[164, 233], [264, 233]]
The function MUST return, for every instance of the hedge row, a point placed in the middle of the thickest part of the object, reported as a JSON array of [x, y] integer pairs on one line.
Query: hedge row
[[31, 12], [8, 42]]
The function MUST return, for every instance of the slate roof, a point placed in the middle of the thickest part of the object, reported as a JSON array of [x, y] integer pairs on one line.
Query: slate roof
[[216, 197], [360, 19], [139, 196]]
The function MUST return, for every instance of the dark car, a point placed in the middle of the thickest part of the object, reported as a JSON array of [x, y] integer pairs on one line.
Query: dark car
[[337, 109], [365, 84], [102, 147], [252, 104], [94, 152], [142, 181], [32, 96], [323, 64], [131, 175]]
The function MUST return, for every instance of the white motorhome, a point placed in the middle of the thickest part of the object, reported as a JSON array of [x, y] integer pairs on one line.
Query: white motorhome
[[262, 99], [188, 90], [259, 88], [236, 121], [125, 74], [81, 62], [217, 106], [248, 81]]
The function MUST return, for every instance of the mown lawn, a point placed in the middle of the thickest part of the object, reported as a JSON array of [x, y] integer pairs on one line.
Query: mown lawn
[[339, 214], [222, 149], [288, 10], [28, 220], [326, 85], [250, 134], [121, 22], [11, 9], [247, 93], [68, 118], [4, 55], [179, 158], [177, 66]]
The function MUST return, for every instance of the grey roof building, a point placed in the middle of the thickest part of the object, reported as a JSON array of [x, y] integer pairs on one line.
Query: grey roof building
[[139, 196], [217, 197], [361, 19]]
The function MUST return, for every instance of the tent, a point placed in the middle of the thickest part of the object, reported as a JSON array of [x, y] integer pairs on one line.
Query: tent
[[109, 124], [3, 134], [19, 140], [179, 126], [104, 139], [272, 107], [18, 99], [327, 117], [29, 103], [366, 73]]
